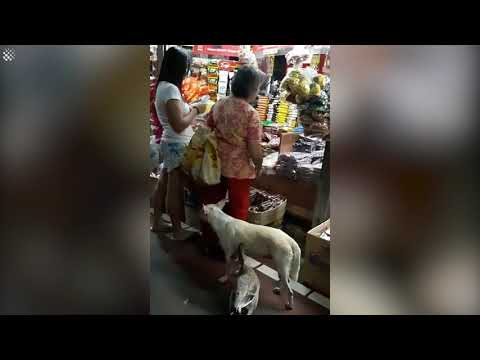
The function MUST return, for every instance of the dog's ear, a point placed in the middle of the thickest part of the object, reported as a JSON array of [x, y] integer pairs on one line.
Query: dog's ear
[[221, 204]]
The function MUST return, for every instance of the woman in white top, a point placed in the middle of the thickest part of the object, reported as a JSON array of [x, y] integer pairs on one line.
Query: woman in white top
[[176, 118]]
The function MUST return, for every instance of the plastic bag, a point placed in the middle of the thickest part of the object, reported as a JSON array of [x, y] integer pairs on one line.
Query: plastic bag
[[201, 159], [210, 172]]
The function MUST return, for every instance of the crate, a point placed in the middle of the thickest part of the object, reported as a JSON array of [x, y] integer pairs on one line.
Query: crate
[[315, 271]]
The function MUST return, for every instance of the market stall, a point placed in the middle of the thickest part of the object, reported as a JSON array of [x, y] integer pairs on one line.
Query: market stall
[[294, 108]]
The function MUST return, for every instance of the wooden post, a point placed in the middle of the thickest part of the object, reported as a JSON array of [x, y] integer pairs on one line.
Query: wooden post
[[321, 211]]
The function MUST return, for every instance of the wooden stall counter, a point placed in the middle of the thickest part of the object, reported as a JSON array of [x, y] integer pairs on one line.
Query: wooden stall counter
[[300, 195]]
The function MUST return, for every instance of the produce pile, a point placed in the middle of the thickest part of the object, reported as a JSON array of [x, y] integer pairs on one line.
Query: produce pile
[[193, 89], [261, 201], [297, 88], [315, 113]]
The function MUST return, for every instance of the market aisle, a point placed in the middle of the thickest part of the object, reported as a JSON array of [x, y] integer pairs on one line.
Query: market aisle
[[173, 291], [183, 282]]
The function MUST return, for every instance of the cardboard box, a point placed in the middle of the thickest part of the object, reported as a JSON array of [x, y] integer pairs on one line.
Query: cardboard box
[[315, 271]]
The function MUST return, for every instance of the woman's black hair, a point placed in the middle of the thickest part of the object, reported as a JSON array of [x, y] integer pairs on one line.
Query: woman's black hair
[[175, 66], [246, 81]]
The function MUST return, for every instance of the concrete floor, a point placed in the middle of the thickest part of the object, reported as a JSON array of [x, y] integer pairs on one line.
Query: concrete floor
[[184, 282]]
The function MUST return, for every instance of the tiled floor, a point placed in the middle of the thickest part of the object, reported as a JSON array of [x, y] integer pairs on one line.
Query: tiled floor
[[183, 281]]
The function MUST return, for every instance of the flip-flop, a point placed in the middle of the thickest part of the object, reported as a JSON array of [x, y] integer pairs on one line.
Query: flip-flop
[[164, 227]]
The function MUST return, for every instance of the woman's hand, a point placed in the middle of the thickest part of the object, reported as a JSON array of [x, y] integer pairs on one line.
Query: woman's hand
[[177, 119], [256, 154], [201, 108], [258, 171]]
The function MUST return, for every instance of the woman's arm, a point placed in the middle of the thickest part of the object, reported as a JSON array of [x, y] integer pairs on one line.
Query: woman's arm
[[254, 136], [176, 118], [256, 154]]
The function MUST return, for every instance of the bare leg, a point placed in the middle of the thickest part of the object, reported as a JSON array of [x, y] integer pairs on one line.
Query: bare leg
[[175, 203], [159, 197]]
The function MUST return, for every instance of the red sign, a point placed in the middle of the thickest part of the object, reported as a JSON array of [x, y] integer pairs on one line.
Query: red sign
[[216, 50], [270, 48]]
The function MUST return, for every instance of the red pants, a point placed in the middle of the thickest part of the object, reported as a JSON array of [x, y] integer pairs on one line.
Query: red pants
[[238, 195], [239, 202]]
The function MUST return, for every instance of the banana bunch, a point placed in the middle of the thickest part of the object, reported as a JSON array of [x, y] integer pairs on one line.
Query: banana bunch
[[296, 84], [320, 80]]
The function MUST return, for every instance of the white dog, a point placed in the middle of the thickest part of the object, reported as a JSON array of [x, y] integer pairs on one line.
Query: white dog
[[257, 240]]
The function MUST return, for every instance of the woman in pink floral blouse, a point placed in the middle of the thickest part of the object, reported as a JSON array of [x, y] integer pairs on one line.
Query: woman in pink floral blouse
[[239, 131]]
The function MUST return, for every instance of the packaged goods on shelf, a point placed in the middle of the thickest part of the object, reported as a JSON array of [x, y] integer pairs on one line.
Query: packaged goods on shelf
[[274, 143], [261, 201], [300, 166], [212, 80], [308, 172], [271, 129], [308, 144], [265, 208], [270, 111], [213, 76], [269, 163], [283, 113], [262, 105]]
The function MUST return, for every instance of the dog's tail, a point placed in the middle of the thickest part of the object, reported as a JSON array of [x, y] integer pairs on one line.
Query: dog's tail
[[295, 265]]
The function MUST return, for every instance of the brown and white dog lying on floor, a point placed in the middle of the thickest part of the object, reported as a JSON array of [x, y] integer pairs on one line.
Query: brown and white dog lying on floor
[[257, 240]]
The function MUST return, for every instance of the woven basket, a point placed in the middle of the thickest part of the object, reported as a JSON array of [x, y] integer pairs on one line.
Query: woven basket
[[270, 216]]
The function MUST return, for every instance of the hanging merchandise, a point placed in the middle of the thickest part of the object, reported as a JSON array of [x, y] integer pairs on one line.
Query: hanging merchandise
[[297, 56], [222, 82], [247, 57], [212, 74]]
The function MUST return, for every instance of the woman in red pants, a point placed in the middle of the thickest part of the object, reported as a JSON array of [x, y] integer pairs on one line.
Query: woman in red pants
[[238, 130]]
